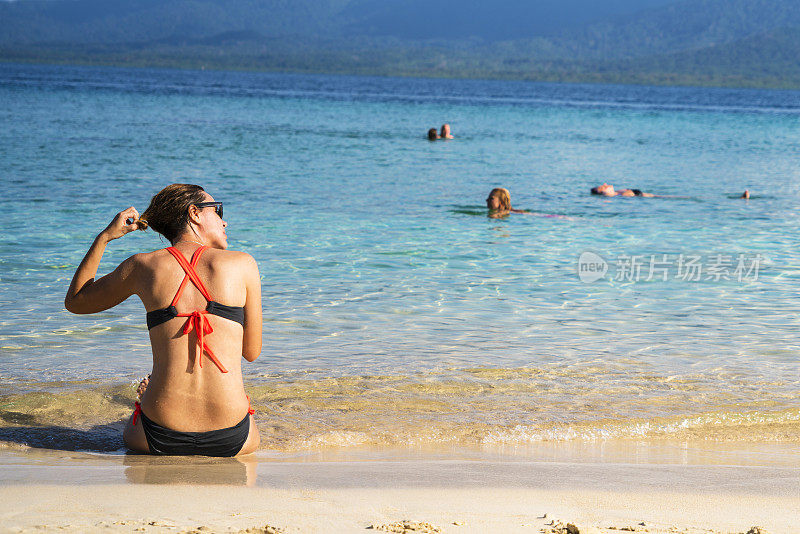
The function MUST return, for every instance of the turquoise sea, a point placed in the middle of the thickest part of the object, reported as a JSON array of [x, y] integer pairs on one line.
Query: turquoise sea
[[396, 313]]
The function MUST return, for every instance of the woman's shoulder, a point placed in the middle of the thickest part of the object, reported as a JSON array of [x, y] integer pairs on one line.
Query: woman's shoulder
[[141, 259], [230, 258], [228, 255], [219, 257], [147, 259]]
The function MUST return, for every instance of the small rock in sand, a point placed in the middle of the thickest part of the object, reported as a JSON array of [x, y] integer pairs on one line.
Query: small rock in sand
[[405, 527], [557, 527], [553, 527], [756, 530], [266, 529], [572, 528]]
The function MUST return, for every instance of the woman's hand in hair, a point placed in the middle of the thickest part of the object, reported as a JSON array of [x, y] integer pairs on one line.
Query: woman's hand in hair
[[87, 295], [124, 222]]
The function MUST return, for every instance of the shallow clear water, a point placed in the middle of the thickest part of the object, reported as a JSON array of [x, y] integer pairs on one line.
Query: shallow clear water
[[378, 259]]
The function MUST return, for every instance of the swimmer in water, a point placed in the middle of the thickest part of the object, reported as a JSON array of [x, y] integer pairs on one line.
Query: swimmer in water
[[433, 135], [203, 306], [746, 194], [499, 203], [607, 190], [446, 132]]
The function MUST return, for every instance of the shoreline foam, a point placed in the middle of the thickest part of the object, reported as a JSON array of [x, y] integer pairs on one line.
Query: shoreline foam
[[478, 408]]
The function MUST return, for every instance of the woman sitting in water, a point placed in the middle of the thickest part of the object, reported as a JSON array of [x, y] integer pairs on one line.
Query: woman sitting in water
[[204, 315], [607, 190], [499, 203]]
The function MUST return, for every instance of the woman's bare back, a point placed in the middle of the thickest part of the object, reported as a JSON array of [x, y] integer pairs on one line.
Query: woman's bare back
[[182, 394]]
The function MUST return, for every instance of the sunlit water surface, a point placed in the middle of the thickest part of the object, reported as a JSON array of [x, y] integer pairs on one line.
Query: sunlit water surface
[[395, 311]]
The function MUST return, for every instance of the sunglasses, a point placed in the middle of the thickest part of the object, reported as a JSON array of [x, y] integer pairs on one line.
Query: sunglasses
[[216, 205]]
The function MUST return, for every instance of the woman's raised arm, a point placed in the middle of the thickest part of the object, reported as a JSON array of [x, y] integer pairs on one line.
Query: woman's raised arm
[[87, 295]]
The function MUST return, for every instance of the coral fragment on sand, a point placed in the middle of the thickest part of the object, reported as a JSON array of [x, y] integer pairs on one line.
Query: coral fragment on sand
[[266, 529], [557, 527], [405, 526]]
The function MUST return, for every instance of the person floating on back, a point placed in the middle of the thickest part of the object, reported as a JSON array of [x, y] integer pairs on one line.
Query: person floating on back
[[607, 190]]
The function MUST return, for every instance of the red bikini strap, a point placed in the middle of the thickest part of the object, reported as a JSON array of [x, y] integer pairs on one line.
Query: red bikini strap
[[138, 410], [199, 283], [196, 255], [180, 289], [188, 268]]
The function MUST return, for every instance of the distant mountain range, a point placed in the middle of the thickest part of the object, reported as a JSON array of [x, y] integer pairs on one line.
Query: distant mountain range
[[498, 20], [708, 42]]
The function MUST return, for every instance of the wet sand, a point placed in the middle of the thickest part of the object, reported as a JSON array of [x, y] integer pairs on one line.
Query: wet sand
[[80, 492]]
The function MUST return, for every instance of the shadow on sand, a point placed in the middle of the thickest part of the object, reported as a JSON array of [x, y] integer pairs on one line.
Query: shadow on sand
[[99, 438]]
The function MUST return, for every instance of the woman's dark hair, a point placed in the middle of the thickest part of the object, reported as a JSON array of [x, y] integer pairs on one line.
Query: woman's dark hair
[[596, 190], [168, 212], [433, 134]]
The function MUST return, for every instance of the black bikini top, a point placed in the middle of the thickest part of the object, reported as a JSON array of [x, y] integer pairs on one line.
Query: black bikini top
[[233, 313], [156, 317]]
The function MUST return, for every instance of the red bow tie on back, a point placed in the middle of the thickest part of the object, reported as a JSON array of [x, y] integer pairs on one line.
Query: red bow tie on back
[[198, 322]]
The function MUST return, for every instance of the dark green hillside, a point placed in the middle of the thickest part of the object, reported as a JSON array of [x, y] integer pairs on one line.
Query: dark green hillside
[[766, 60], [681, 26], [710, 42], [499, 20], [125, 21], [105, 21]]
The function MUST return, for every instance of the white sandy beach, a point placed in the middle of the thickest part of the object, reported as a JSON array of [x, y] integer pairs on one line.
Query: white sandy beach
[[76, 492], [120, 508]]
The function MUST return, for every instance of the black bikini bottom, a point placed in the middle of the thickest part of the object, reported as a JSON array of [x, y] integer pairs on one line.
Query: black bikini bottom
[[223, 442]]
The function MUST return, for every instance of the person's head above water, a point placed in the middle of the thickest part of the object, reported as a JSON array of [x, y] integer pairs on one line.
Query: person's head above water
[[433, 135], [499, 199], [746, 194], [186, 212], [445, 134]]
